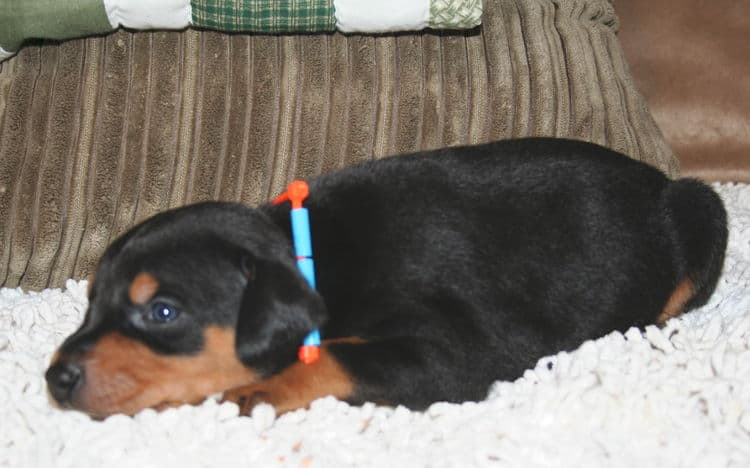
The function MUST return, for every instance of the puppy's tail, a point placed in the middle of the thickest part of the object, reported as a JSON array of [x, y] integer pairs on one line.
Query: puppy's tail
[[697, 223]]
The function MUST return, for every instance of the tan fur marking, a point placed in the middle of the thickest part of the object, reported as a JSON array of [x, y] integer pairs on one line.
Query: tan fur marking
[[90, 283], [125, 376], [143, 288], [676, 303], [298, 385]]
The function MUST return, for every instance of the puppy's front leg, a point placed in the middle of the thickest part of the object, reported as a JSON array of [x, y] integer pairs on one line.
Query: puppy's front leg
[[296, 386], [393, 371]]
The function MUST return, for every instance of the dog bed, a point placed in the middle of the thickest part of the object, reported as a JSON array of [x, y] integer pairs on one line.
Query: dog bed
[[671, 397]]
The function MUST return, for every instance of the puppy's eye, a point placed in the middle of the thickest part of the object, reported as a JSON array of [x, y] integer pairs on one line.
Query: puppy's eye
[[162, 312]]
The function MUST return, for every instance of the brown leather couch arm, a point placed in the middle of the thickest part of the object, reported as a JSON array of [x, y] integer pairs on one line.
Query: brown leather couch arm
[[691, 60]]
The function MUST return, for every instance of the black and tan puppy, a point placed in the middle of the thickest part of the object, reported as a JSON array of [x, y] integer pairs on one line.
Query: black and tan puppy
[[438, 273]]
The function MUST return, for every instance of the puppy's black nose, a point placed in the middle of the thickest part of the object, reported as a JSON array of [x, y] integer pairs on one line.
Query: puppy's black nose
[[63, 378]]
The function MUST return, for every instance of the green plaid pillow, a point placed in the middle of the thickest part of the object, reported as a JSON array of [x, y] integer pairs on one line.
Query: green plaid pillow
[[269, 16]]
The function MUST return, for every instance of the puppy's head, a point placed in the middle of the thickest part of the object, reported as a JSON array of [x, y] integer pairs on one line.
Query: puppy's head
[[191, 302]]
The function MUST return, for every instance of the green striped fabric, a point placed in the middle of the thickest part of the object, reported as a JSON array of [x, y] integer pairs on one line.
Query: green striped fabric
[[269, 16]]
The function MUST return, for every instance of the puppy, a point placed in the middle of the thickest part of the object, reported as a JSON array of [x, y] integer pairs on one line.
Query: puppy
[[438, 273]]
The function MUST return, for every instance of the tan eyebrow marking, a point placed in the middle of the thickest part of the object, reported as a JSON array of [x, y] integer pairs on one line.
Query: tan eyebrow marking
[[143, 288]]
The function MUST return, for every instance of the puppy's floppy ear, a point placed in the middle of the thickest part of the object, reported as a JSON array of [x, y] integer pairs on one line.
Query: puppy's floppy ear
[[278, 309]]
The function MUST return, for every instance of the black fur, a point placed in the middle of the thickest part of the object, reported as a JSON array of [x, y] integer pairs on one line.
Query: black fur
[[458, 267]]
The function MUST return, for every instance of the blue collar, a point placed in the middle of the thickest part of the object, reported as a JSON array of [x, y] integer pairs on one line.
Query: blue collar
[[296, 193]]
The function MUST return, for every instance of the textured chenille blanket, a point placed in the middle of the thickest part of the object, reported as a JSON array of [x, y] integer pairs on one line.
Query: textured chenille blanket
[[672, 397]]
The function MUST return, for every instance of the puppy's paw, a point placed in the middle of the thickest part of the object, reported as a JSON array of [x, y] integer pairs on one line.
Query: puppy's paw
[[247, 397]]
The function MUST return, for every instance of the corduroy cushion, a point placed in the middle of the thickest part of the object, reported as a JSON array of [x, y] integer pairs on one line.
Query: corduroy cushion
[[100, 133]]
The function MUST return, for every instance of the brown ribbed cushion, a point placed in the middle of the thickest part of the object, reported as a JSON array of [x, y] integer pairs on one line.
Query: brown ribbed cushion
[[97, 134]]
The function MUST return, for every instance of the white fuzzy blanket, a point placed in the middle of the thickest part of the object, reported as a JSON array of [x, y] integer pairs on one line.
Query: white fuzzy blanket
[[674, 397]]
